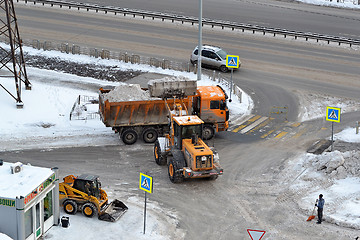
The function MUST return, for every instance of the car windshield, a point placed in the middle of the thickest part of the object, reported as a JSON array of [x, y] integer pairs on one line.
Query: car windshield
[[222, 54]]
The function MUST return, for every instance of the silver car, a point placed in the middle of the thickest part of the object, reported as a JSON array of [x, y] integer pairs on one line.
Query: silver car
[[211, 57]]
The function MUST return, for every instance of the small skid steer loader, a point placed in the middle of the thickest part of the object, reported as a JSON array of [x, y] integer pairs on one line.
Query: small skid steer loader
[[84, 194]]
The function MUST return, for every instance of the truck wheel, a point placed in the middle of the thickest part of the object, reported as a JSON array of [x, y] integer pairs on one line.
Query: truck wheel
[[89, 209], [175, 177], [208, 132], [129, 136], [159, 159], [70, 207], [150, 135]]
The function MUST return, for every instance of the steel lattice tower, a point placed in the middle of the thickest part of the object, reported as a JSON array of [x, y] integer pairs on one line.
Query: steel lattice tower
[[12, 59]]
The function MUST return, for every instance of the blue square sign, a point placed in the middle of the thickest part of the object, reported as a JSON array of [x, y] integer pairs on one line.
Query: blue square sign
[[146, 183], [333, 114], [232, 61]]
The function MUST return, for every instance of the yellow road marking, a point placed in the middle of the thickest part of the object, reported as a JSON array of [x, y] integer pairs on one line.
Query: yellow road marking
[[280, 135], [253, 119], [238, 128], [300, 133], [296, 124], [267, 134], [323, 128], [260, 125]]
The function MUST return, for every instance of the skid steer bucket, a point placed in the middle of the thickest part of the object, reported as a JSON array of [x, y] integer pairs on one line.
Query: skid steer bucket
[[113, 211]]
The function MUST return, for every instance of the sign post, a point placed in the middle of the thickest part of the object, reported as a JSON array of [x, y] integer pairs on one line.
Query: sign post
[[232, 61], [146, 184], [333, 115]]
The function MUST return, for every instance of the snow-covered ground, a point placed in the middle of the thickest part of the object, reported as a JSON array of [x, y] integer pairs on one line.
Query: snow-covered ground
[[334, 3], [44, 123]]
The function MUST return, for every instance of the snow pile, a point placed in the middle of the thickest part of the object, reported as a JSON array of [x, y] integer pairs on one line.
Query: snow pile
[[335, 165], [333, 3], [317, 109], [127, 92], [336, 175], [172, 78], [159, 225]]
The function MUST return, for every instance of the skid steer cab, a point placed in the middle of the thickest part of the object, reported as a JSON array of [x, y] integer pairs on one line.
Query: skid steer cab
[[184, 151], [84, 193]]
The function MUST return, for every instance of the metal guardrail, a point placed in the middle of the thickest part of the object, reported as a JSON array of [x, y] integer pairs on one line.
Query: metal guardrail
[[193, 20]]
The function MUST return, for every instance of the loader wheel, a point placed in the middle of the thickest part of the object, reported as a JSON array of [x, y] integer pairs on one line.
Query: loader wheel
[[89, 209], [150, 135], [159, 159], [175, 177], [129, 136], [70, 207], [208, 132], [213, 177]]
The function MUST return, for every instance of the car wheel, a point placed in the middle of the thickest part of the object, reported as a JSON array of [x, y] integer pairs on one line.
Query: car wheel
[[223, 68]]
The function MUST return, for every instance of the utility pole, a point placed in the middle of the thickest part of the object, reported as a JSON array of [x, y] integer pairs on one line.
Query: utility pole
[[200, 42], [12, 59]]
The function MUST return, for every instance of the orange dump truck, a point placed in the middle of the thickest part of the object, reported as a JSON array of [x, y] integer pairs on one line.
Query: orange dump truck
[[148, 119]]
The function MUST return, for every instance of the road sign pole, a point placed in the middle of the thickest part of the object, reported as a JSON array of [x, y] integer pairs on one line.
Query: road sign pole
[[145, 214], [231, 83], [199, 42], [332, 136]]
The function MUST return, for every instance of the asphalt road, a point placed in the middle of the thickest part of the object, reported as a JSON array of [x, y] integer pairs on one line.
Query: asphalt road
[[267, 63], [285, 14], [252, 193]]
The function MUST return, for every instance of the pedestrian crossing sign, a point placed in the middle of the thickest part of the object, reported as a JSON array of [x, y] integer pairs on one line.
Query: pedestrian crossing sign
[[232, 61], [146, 183], [333, 114]]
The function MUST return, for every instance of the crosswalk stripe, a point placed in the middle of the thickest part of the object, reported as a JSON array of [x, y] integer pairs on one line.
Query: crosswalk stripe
[[238, 128], [280, 135], [239, 121], [254, 118], [251, 126], [296, 124], [261, 125], [267, 134], [300, 133]]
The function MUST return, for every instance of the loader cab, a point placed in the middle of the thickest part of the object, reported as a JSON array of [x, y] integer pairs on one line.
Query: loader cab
[[89, 184], [185, 127]]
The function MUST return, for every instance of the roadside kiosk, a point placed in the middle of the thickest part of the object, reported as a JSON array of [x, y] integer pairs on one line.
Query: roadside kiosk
[[29, 200]]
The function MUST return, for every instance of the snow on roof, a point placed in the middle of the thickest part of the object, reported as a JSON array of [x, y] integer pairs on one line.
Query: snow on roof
[[188, 120], [23, 182]]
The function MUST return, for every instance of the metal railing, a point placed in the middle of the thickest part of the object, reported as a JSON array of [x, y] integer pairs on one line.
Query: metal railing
[[194, 20]]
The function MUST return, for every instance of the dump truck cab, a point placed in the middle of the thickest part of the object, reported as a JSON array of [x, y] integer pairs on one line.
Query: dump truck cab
[[210, 104]]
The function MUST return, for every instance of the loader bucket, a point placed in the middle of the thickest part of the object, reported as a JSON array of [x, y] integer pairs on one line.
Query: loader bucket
[[170, 87], [113, 211]]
